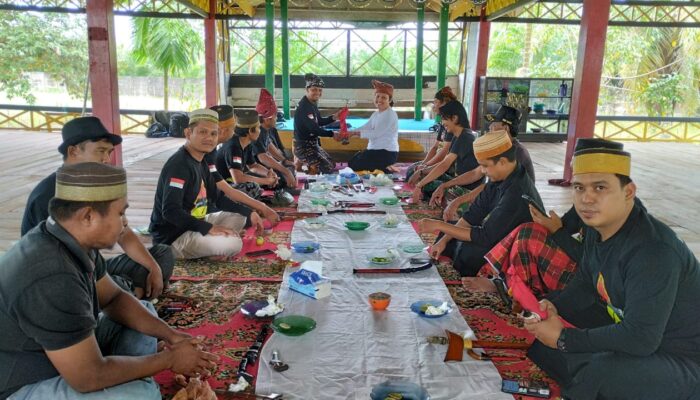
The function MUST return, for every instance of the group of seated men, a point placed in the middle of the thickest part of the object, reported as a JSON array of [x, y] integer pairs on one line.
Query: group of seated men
[[627, 284]]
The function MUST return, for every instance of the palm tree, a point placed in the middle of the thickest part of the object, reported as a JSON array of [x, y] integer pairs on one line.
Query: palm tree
[[171, 45]]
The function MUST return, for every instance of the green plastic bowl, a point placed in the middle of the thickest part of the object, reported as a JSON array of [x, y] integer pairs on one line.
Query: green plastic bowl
[[357, 225], [320, 202], [389, 201]]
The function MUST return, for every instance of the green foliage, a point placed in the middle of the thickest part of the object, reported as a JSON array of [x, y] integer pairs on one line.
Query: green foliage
[[661, 94], [505, 49], [53, 43]]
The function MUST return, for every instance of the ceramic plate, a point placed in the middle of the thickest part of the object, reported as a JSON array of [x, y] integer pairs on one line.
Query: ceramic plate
[[419, 308]]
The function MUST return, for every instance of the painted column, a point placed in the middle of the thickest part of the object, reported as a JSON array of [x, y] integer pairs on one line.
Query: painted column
[[270, 46], [285, 59], [102, 54], [482, 56], [589, 69], [442, 46], [418, 114], [211, 81]]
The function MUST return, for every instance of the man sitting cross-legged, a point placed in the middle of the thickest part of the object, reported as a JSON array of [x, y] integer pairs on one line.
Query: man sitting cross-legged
[[184, 210], [634, 297], [542, 253], [68, 332], [145, 272], [495, 212], [231, 196]]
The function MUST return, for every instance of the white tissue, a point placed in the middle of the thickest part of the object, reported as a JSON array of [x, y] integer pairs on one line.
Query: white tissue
[[432, 310], [239, 386], [283, 252], [271, 309]]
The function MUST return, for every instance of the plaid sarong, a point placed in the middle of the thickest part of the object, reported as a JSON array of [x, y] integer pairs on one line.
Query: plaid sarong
[[536, 257]]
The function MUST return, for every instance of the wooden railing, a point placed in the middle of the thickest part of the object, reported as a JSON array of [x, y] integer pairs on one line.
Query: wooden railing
[[623, 128], [52, 119]]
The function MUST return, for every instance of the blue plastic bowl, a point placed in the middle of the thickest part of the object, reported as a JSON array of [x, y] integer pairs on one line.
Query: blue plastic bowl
[[305, 247]]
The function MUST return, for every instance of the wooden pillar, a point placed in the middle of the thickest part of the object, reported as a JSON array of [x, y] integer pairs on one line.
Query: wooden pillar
[[418, 106], [482, 56], [589, 69], [211, 82], [102, 54]]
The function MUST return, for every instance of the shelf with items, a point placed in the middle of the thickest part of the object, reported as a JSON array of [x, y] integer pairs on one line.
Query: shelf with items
[[544, 102]]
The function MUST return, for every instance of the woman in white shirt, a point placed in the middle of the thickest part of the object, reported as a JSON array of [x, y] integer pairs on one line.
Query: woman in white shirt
[[382, 130]]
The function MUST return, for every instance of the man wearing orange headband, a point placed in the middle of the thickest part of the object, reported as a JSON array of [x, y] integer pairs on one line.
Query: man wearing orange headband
[[497, 210], [634, 297]]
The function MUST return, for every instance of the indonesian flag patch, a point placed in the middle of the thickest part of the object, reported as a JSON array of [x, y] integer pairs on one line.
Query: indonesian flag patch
[[177, 183], [212, 168], [238, 160], [311, 116]]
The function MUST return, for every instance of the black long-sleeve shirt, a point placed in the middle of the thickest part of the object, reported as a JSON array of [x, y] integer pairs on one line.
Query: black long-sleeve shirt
[[500, 208], [186, 192], [571, 225], [37, 208], [649, 280], [308, 122]]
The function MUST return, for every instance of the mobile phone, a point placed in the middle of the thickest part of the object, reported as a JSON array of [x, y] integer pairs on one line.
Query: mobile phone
[[419, 260], [533, 203], [259, 253], [526, 388]]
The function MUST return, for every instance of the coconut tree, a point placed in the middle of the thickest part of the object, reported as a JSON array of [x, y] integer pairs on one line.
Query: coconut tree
[[170, 45]]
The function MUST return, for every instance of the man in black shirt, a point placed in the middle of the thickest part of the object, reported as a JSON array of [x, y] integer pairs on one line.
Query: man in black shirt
[[644, 340], [232, 196], [308, 129], [67, 328], [184, 211], [145, 272], [265, 148], [495, 212], [454, 118]]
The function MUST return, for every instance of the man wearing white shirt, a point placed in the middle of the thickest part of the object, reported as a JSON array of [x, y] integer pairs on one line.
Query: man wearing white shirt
[[382, 130]]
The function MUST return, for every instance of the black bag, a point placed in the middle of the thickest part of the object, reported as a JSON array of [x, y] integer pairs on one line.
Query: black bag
[[178, 123], [157, 130]]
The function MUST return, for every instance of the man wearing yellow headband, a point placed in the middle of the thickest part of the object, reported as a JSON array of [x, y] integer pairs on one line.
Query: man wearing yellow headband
[[69, 332], [497, 210], [634, 297]]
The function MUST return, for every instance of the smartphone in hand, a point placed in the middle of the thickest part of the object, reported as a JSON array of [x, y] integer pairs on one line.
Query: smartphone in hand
[[533, 203]]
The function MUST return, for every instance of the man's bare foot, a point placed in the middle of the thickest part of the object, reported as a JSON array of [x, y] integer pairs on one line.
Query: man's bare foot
[[479, 284]]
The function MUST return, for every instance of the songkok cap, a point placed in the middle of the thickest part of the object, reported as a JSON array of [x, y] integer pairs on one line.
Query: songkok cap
[[247, 118], [266, 106], [506, 114], [82, 129], [313, 80], [445, 94], [225, 115], [90, 181], [204, 114], [492, 144], [596, 143], [602, 160], [383, 87]]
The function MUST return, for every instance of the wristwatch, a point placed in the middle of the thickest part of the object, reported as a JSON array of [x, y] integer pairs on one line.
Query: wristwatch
[[561, 342]]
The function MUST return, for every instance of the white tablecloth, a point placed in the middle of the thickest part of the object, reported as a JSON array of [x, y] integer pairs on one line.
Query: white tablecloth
[[353, 347]]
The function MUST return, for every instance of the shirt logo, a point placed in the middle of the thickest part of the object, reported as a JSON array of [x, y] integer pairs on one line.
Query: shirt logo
[[177, 183], [238, 160], [615, 313], [311, 116], [212, 168]]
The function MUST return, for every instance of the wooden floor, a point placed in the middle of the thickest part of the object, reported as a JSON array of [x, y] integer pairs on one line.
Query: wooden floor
[[667, 174]]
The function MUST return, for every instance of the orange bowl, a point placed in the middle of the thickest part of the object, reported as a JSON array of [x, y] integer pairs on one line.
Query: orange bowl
[[379, 300]]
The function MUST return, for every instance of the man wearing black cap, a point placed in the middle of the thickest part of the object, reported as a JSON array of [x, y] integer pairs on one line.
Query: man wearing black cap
[[308, 129], [644, 340], [144, 271], [68, 330]]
